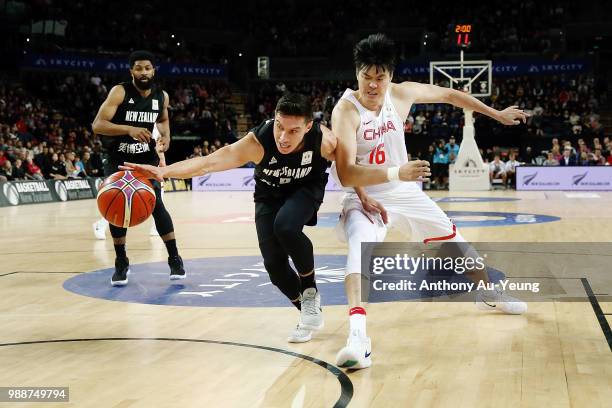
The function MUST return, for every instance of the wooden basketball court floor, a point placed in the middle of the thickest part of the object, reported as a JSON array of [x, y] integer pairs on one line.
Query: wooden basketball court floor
[[119, 354]]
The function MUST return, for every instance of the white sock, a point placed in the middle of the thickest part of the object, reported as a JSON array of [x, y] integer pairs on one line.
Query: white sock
[[357, 321]]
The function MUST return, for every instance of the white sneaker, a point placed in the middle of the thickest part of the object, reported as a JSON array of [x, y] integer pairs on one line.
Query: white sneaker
[[99, 229], [153, 232], [498, 300], [357, 353], [300, 334], [311, 314]]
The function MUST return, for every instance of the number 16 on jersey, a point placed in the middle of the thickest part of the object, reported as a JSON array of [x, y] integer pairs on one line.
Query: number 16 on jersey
[[377, 155]]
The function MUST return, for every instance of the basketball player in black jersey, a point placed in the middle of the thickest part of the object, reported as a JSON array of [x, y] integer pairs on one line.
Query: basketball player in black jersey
[[127, 119], [291, 155]]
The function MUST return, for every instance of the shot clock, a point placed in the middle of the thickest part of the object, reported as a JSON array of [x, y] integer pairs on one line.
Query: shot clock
[[461, 35]]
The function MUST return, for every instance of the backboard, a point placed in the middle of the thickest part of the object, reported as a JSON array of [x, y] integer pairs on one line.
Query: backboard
[[473, 77]]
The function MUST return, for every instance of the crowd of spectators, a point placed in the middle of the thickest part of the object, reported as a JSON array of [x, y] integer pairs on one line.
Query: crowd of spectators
[[502, 161], [45, 122], [560, 105], [45, 131], [303, 29]]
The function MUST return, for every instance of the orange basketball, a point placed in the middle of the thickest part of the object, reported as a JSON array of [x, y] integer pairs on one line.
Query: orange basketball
[[126, 199]]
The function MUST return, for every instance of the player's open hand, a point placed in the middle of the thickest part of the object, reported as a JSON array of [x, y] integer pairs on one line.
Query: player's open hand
[[148, 171], [374, 207], [415, 170], [512, 115], [141, 134]]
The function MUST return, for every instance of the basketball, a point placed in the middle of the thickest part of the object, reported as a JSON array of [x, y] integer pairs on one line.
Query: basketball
[[126, 199]]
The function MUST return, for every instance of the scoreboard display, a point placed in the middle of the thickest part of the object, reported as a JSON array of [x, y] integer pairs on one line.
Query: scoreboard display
[[461, 35]]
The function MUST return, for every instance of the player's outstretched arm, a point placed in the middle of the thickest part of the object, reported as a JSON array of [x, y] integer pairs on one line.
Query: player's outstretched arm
[[102, 124], [414, 92], [346, 122], [235, 155]]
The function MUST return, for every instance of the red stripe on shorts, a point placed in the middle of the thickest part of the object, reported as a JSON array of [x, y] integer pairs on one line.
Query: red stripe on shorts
[[451, 236]]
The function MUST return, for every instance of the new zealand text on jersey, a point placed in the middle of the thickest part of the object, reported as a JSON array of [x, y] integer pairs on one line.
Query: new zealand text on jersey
[[148, 117], [288, 172], [372, 134]]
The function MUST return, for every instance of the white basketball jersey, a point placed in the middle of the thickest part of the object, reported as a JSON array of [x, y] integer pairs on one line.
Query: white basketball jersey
[[380, 140]]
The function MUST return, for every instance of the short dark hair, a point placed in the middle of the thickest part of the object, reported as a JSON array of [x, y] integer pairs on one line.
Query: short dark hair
[[294, 104], [375, 50], [141, 55]]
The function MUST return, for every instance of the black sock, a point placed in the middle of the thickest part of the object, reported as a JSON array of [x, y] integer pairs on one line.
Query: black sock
[[297, 303], [308, 281], [171, 247], [120, 251]]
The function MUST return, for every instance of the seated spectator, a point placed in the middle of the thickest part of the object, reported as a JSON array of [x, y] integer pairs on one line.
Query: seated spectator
[[440, 165], [511, 165], [584, 159], [80, 167], [528, 156], [568, 159], [19, 172], [497, 170], [452, 147], [32, 170], [550, 160], [57, 170], [597, 157], [7, 171], [95, 166], [556, 152]]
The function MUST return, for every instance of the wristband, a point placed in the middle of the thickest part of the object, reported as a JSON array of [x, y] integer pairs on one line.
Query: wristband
[[393, 173]]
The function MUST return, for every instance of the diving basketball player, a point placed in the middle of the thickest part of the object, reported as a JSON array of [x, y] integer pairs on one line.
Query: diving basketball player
[[291, 154]]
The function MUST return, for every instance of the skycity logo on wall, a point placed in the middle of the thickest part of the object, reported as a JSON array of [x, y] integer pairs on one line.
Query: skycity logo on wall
[[70, 62], [529, 178], [577, 181], [510, 67], [539, 68]]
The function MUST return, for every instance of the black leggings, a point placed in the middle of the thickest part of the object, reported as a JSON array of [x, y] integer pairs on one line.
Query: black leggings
[[163, 221], [279, 231]]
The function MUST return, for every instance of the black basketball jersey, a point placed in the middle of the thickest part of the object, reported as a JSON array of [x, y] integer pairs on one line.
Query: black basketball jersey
[[137, 111], [278, 175]]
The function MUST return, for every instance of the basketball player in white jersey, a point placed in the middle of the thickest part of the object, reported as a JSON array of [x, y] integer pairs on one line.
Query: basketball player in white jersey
[[371, 152]]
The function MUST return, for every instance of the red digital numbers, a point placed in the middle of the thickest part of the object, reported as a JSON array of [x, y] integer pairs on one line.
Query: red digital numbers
[[378, 154], [463, 33]]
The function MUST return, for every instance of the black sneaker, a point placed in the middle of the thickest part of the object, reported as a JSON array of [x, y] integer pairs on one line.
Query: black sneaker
[[176, 268], [122, 269]]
